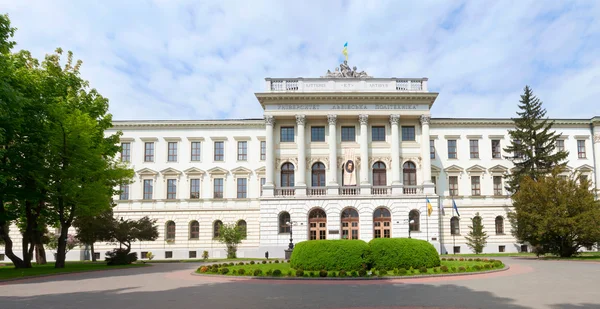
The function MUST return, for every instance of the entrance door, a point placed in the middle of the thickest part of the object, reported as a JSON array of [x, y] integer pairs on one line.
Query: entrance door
[[349, 223], [317, 222]]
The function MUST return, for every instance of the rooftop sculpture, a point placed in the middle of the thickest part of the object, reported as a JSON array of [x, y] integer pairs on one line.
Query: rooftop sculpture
[[344, 71]]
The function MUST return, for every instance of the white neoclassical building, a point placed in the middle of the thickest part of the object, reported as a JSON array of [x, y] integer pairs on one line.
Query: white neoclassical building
[[340, 156]]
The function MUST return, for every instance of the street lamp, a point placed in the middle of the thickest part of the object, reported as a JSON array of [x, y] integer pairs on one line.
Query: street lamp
[[409, 223], [291, 245]]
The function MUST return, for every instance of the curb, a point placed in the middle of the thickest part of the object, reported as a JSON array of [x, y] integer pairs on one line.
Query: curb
[[2, 281]]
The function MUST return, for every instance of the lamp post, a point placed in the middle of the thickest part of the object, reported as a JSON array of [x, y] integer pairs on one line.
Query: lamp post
[[288, 251], [409, 223]]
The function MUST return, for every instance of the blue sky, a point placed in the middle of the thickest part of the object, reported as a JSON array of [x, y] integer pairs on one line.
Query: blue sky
[[168, 59]]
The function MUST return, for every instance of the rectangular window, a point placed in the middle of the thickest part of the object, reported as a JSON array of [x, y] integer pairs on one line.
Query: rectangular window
[[263, 150], [497, 185], [144, 255], [317, 134], [192, 254], [124, 192], [195, 156], [242, 151], [524, 248], [1, 256], [517, 145], [262, 183], [456, 249], [172, 155], [560, 145], [125, 152], [96, 255], [452, 149], [501, 249], [171, 189], [147, 189], [432, 149], [434, 182], [581, 149], [149, 152], [453, 185], [194, 188], [496, 154], [168, 254], [218, 188], [408, 133], [378, 134], [219, 151], [287, 134], [475, 185], [242, 187], [474, 148], [348, 134]]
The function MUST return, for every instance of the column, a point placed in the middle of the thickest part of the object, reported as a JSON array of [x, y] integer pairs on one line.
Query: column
[[332, 185], [596, 145], [365, 186], [426, 166], [301, 172], [268, 188], [396, 181]]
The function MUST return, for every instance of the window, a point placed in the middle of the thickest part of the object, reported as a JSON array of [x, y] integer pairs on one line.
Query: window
[[168, 254], [1, 256], [172, 155], [263, 150], [501, 249], [499, 225], [474, 148], [454, 226], [96, 255], [517, 145], [124, 192], [218, 188], [432, 149], [147, 189], [219, 151], [453, 185], [560, 145], [583, 178], [378, 134], [318, 175], [171, 189], [287, 175], [317, 134], [194, 230], [456, 249], [194, 188], [284, 218], [524, 248], [382, 220], [497, 185], [452, 149], [317, 221], [242, 150], [170, 230], [408, 133], [144, 254], [125, 152], [149, 152], [434, 182], [192, 254], [217, 228], [195, 151], [348, 134], [475, 185], [243, 228], [242, 187], [287, 134], [413, 216], [409, 171], [349, 223], [581, 149], [379, 174], [496, 152]]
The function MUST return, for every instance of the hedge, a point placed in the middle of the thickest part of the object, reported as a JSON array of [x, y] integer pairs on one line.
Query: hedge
[[390, 253], [330, 255]]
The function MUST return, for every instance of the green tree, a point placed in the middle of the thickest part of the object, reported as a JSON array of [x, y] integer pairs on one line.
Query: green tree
[[555, 213], [91, 229], [533, 143], [127, 231], [477, 237], [231, 235]]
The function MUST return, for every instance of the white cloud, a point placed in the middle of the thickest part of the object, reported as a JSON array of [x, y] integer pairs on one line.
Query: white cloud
[[192, 60]]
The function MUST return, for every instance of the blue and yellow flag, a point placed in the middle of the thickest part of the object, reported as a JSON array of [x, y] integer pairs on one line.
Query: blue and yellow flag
[[345, 50], [454, 207], [429, 208]]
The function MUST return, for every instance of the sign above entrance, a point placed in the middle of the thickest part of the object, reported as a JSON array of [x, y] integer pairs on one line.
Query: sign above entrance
[[282, 107]]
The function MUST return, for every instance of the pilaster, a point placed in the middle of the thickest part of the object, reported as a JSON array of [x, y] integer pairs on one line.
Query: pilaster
[[396, 180], [301, 173]]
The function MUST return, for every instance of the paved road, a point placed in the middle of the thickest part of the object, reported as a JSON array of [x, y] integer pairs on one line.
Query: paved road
[[528, 284]]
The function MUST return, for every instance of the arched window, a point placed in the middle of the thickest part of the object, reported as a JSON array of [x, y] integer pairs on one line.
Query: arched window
[[410, 174], [287, 175], [379, 174], [414, 216], [382, 223], [243, 227], [499, 225], [317, 222], [217, 228], [349, 223], [284, 218], [318, 175], [454, 226], [170, 230], [194, 230]]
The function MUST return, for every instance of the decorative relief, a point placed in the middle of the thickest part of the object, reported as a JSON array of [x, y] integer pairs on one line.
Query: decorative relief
[[394, 119], [344, 71], [341, 160], [312, 160], [425, 119], [269, 120], [597, 138], [386, 160], [331, 119], [363, 119], [280, 161], [300, 120]]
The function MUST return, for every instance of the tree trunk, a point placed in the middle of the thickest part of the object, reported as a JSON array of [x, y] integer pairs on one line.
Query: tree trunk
[[40, 254], [8, 246], [93, 253], [61, 251]]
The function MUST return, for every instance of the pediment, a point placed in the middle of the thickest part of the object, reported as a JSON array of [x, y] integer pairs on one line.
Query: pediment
[[240, 170], [435, 169], [170, 171], [585, 168], [498, 169], [476, 169], [194, 171], [261, 170], [453, 169], [567, 169], [147, 171], [217, 171]]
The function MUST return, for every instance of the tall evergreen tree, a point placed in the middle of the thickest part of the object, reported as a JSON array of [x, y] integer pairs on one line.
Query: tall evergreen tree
[[477, 237], [533, 143]]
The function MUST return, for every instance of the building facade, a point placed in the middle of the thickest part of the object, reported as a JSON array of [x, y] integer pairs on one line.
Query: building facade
[[344, 156]]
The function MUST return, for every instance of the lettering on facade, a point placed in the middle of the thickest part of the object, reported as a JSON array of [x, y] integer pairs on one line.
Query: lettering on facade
[[349, 106], [314, 85], [393, 106], [297, 106], [379, 85]]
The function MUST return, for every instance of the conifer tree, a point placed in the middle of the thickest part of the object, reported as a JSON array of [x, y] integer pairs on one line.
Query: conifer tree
[[477, 237]]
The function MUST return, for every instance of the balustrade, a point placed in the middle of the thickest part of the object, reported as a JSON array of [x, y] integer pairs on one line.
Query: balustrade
[[316, 191], [381, 190]]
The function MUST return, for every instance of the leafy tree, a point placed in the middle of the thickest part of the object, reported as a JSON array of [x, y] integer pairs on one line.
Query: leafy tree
[[555, 213], [127, 231], [477, 237], [231, 235], [72, 241], [91, 229], [533, 143]]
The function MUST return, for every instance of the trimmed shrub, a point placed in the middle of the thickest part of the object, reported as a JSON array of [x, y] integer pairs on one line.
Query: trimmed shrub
[[402, 271], [327, 254], [276, 272], [423, 270], [264, 262], [299, 273], [241, 263], [470, 260], [488, 266], [251, 262], [257, 272], [342, 273], [234, 272], [224, 271], [436, 270], [450, 259], [402, 253], [203, 269], [461, 259], [322, 273], [498, 264], [462, 268], [453, 269], [276, 261], [231, 264], [333, 274], [290, 273], [120, 257], [241, 271], [477, 260], [269, 273], [214, 269], [476, 267], [444, 268], [270, 262], [362, 273]]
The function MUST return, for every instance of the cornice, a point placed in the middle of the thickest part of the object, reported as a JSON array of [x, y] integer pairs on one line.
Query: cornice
[[150, 124], [362, 97], [442, 122]]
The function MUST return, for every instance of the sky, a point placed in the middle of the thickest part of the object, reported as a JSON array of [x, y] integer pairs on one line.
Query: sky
[[168, 59]]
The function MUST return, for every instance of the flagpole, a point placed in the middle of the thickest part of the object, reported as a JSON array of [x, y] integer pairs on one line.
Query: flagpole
[[427, 221], [441, 224]]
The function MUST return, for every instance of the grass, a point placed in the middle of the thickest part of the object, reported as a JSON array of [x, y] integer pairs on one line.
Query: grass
[[581, 256], [9, 272], [453, 267], [200, 260]]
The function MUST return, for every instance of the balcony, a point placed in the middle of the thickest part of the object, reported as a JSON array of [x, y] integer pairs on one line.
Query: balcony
[[346, 84], [316, 191], [349, 191], [411, 190], [285, 192], [381, 190]]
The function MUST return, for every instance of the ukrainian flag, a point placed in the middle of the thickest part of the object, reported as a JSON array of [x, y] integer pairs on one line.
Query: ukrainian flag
[[345, 50], [429, 208]]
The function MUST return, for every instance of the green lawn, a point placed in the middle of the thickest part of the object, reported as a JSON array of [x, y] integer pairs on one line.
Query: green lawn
[[200, 260], [9, 272]]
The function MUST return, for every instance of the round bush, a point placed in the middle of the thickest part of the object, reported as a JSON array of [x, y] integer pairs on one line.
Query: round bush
[[203, 269], [269, 272], [276, 272], [264, 262], [257, 272], [251, 262], [498, 264], [270, 262], [423, 270], [402, 271], [330, 254], [488, 266], [402, 253], [444, 268], [241, 271], [462, 268], [443, 259], [224, 270], [276, 261], [241, 263], [333, 274], [476, 267], [323, 273], [231, 264], [299, 273], [453, 269], [343, 273]]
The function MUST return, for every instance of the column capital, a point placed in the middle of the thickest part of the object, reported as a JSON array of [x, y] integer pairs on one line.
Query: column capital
[[269, 120], [300, 119], [332, 119], [394, 119], [596, 138], [363, 119], [425, 119]]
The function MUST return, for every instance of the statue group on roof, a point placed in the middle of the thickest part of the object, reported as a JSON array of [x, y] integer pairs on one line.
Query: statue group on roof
[[344, 71]]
